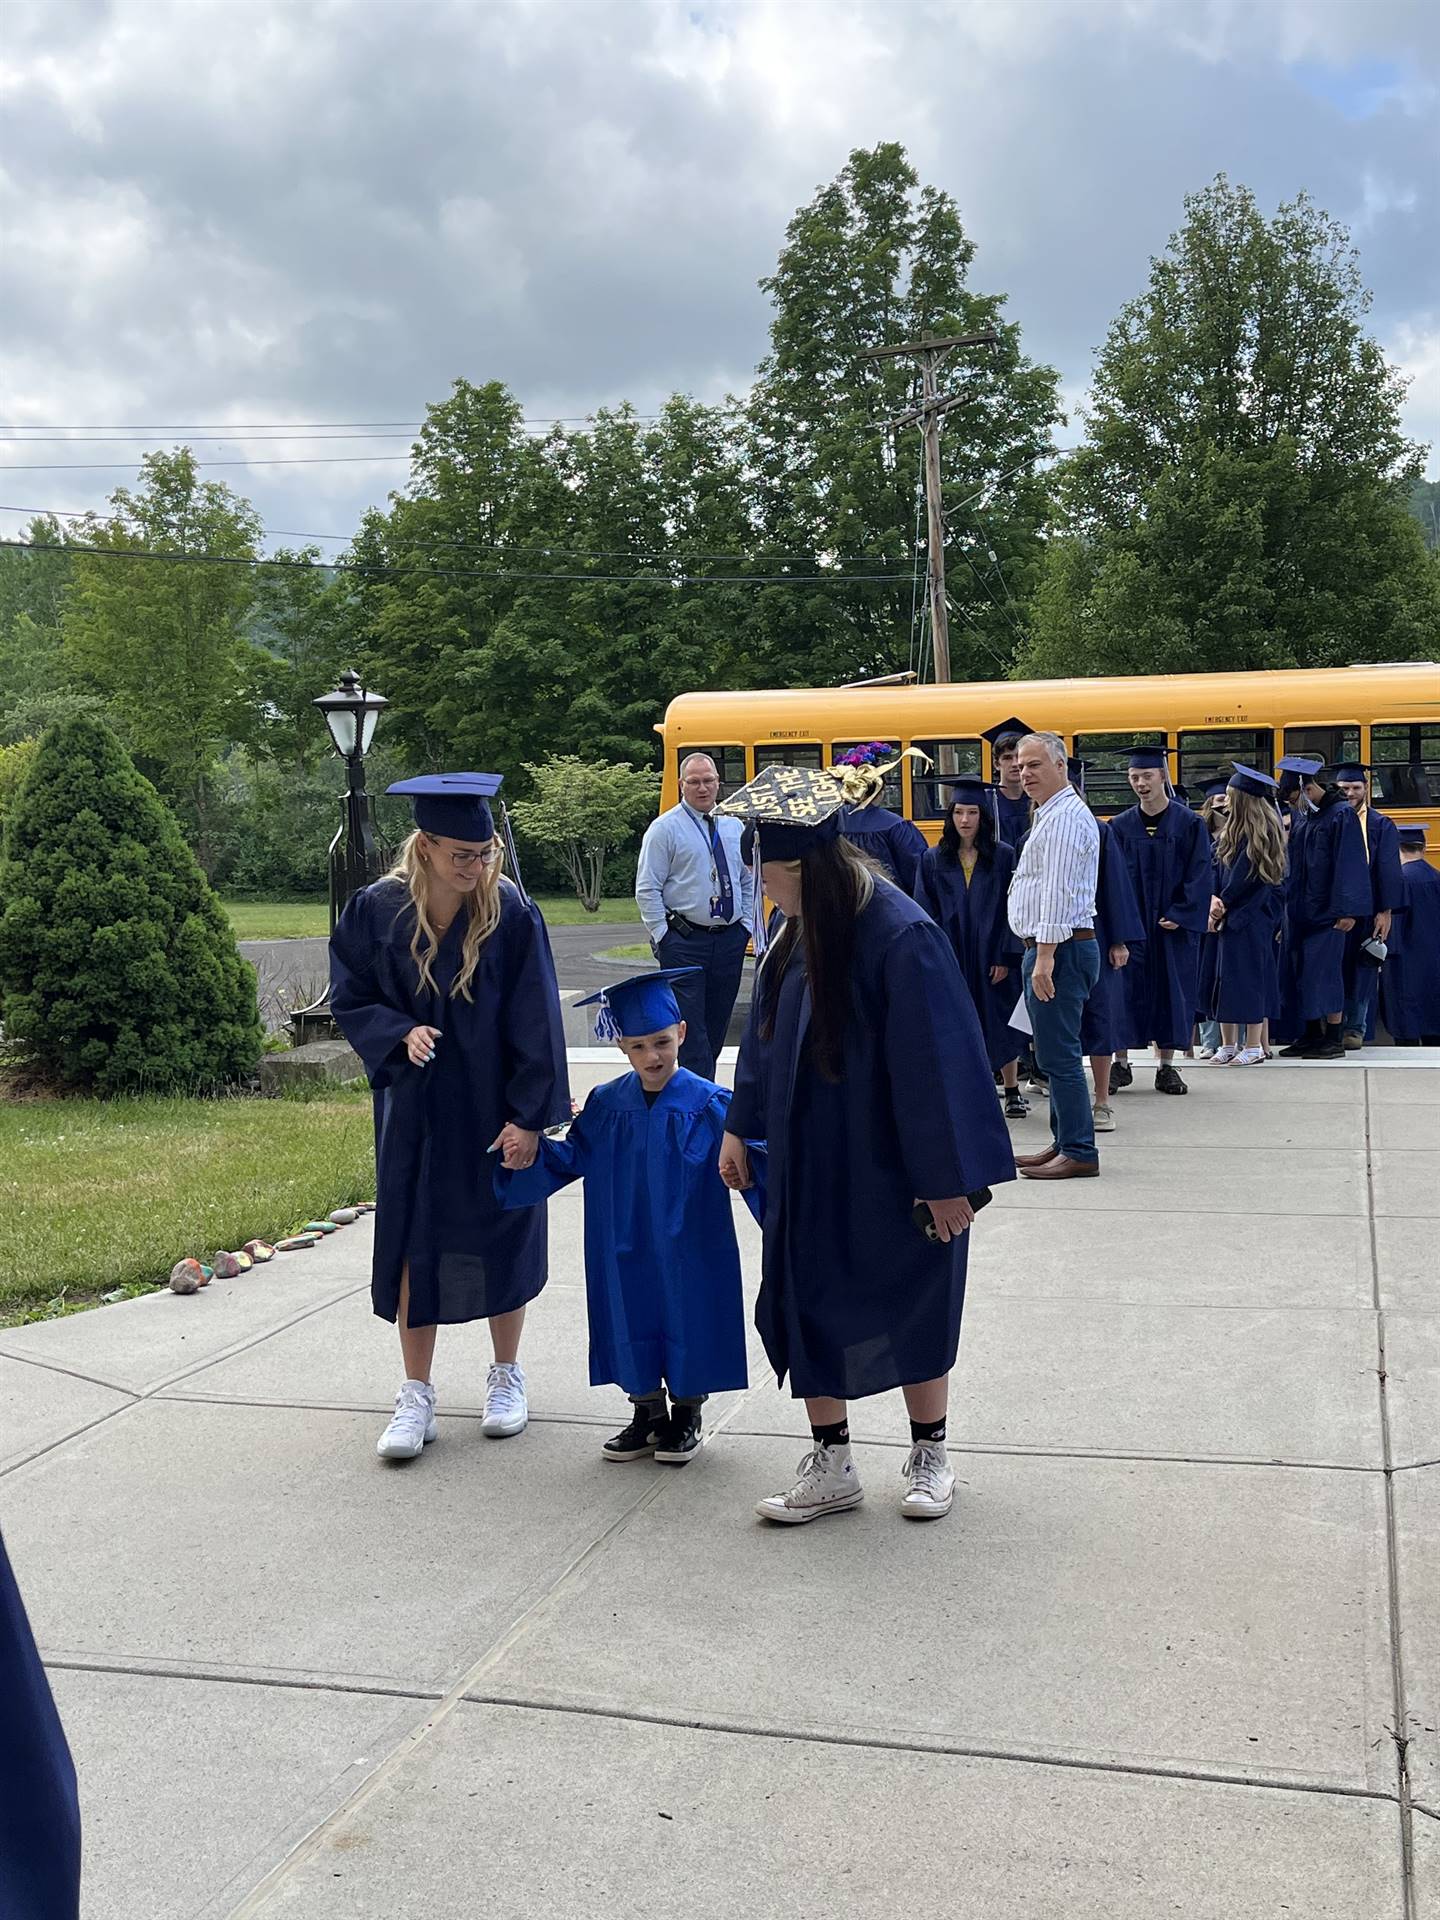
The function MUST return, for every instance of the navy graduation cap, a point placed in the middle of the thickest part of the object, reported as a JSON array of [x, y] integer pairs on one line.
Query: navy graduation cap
[[1351, 770], [968, 790], [1413, 837], [1212, 789], [793, 810], [1302, 763], [453, 804], [645, 1003], [1251, 780], [1155, 759], [1011, 726]]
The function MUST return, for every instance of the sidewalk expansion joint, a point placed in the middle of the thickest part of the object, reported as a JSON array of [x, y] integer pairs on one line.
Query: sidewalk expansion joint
[[141, 1669]]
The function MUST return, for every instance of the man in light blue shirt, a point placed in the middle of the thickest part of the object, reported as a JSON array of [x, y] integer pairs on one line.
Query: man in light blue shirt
[[696, 895]]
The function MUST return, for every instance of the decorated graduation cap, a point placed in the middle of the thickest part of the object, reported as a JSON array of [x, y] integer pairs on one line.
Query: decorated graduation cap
[[645, 1003], [793, 810], [860, 773], [1251, 780], [1011, 728], [456, 805]]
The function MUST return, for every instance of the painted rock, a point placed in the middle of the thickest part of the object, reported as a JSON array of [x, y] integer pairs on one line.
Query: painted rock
[[227, 1266], [319, 1226], [207, 1274], [187, 1276], [243, 1261], [297, 1242], [259, 1251], [343, 1216], [364, 1206]]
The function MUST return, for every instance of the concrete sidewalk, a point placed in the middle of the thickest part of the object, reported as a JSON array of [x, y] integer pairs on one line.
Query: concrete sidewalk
[[1176, 1650]]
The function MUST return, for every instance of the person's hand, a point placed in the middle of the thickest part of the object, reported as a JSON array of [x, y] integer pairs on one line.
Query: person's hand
[[1382, 925], [1119, 954], [997, 974], [1344, 926], [1217, 919], [420, 1045], [1042, 979], [1170, 926], [735, 1163], [518, 1147], [952, 1216]]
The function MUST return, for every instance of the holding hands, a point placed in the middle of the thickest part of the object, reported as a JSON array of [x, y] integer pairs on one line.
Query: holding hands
[[518, 1147], [735, 1163]]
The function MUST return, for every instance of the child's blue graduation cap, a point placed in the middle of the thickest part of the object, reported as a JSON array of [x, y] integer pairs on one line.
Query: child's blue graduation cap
[[455, 805], [1302, 763], [1251, 780], [645, 1003]]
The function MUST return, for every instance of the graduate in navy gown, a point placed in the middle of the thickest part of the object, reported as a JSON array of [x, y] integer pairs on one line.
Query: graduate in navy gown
[[1117, 925], [662, 1270], [1013, 811], [1327, 892], [39, 1809], [1240, 971], [1166, 850], [441, 979], [1410, 979], [1382, 848], [962, 886], [864, 1072], [895, 844]]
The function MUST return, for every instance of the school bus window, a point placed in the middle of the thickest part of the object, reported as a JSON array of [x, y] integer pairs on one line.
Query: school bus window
[[1107, 766], [1405, 764], [788, 753], [729, 764], [1210, 755], [1333, 745], [950, 757], [890, 795]]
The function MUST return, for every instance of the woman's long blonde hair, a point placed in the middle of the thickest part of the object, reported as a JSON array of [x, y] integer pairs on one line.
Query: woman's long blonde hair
[[1254, 825], [482, 908]]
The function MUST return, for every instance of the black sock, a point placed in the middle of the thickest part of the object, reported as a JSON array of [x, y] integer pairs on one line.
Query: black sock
[[933, 1430], [837, 1435], [651, 1407]]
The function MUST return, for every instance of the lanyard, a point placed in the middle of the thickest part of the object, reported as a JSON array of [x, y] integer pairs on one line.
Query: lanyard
[[709, 838]]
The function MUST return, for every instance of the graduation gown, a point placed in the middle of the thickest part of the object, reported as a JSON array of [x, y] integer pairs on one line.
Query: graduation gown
[[895, 842], [854, 1299], [500, 1057], [973, 919], [1241, 965], [662, 1270], [1015, 817], [1171, 875], [1329, 880], [1382, 842], [1410, 978], [39, 1809], [1117, 924]]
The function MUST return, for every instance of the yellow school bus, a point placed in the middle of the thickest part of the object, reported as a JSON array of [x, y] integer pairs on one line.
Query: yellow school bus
[[1387, 717]]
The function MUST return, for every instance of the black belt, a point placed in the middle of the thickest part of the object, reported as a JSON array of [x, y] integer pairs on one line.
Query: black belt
[[1075, 933], [673, 920]]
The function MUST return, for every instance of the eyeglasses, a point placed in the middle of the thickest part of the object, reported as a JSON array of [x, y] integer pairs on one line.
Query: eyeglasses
[[466, 857]]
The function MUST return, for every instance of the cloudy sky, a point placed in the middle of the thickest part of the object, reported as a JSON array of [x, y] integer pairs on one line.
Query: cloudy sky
[[321, 211]]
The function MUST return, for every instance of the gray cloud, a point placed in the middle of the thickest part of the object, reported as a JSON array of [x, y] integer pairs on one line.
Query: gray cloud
[[311, 211]]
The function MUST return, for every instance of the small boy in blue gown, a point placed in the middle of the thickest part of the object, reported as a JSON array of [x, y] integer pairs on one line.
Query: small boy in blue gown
[[662, 1268]]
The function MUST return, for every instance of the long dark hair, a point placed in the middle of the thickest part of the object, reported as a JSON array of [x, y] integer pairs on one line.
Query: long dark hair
[[836, 884], [984, 834]]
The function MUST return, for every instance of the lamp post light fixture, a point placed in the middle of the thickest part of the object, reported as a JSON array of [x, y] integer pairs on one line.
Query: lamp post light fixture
[[355, 857]]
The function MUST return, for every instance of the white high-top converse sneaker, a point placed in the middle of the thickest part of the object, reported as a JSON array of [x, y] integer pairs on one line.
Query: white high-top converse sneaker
[[827, 1483]]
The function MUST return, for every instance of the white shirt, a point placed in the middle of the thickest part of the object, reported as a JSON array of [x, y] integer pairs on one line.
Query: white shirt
[[1053, 890], [674, 874]]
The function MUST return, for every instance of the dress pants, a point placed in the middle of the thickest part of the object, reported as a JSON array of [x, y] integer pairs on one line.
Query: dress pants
[[707, 999]]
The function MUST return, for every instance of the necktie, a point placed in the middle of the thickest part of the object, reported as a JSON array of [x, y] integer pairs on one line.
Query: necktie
[[722, 907]]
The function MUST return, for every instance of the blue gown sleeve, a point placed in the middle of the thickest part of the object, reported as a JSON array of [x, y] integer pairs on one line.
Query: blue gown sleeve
[[374, 1027], [1189, 904], [1009, 947], [1121, 908], [1350, 893], [746, 1114], [924, 889], [537, 1080], [39, 1806], [556, 1164], [1388, 888], [951, 1137]]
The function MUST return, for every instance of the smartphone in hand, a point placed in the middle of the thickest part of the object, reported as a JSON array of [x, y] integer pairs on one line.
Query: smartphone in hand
[[925, 1220]]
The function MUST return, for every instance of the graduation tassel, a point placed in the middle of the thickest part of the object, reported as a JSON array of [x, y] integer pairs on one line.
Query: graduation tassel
[[507, 834], [605, 1023], [759, 938]]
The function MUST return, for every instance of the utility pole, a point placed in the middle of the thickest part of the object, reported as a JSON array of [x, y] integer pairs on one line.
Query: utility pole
[[930, 352]]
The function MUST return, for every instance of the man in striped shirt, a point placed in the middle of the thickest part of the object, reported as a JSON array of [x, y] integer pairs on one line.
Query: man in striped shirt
[[1052, 909]]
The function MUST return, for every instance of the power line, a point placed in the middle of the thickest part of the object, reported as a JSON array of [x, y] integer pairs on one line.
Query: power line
[[112, 466], [458, 573], [278, 426]]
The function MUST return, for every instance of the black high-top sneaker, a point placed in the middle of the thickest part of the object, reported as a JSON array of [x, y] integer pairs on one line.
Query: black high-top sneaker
[[679, 1439], [639, 1439]]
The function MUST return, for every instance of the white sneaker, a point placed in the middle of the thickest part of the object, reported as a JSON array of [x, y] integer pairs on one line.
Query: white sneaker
[[1225, 1055], [1205, 1053], [506, 1409], [827, 1483], [1102, 1119], [1249, 1057], [412, 1425], [932, 1483]]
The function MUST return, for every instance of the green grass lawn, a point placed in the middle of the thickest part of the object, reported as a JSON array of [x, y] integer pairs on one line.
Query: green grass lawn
[[292, 919], [96, 1195]]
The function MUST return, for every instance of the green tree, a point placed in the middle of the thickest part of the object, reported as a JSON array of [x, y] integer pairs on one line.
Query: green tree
[[583, 810], [118, 969], [303, 626], [1425, 505], [873, 260], [1240, 497], [155, 623], [33, 580]]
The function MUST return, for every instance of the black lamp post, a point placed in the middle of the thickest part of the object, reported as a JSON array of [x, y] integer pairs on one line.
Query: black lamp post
[[355, 856]]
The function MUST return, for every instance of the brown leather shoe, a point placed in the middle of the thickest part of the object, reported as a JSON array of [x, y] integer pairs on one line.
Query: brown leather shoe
[[1062, 1167], [1036, 1159]]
